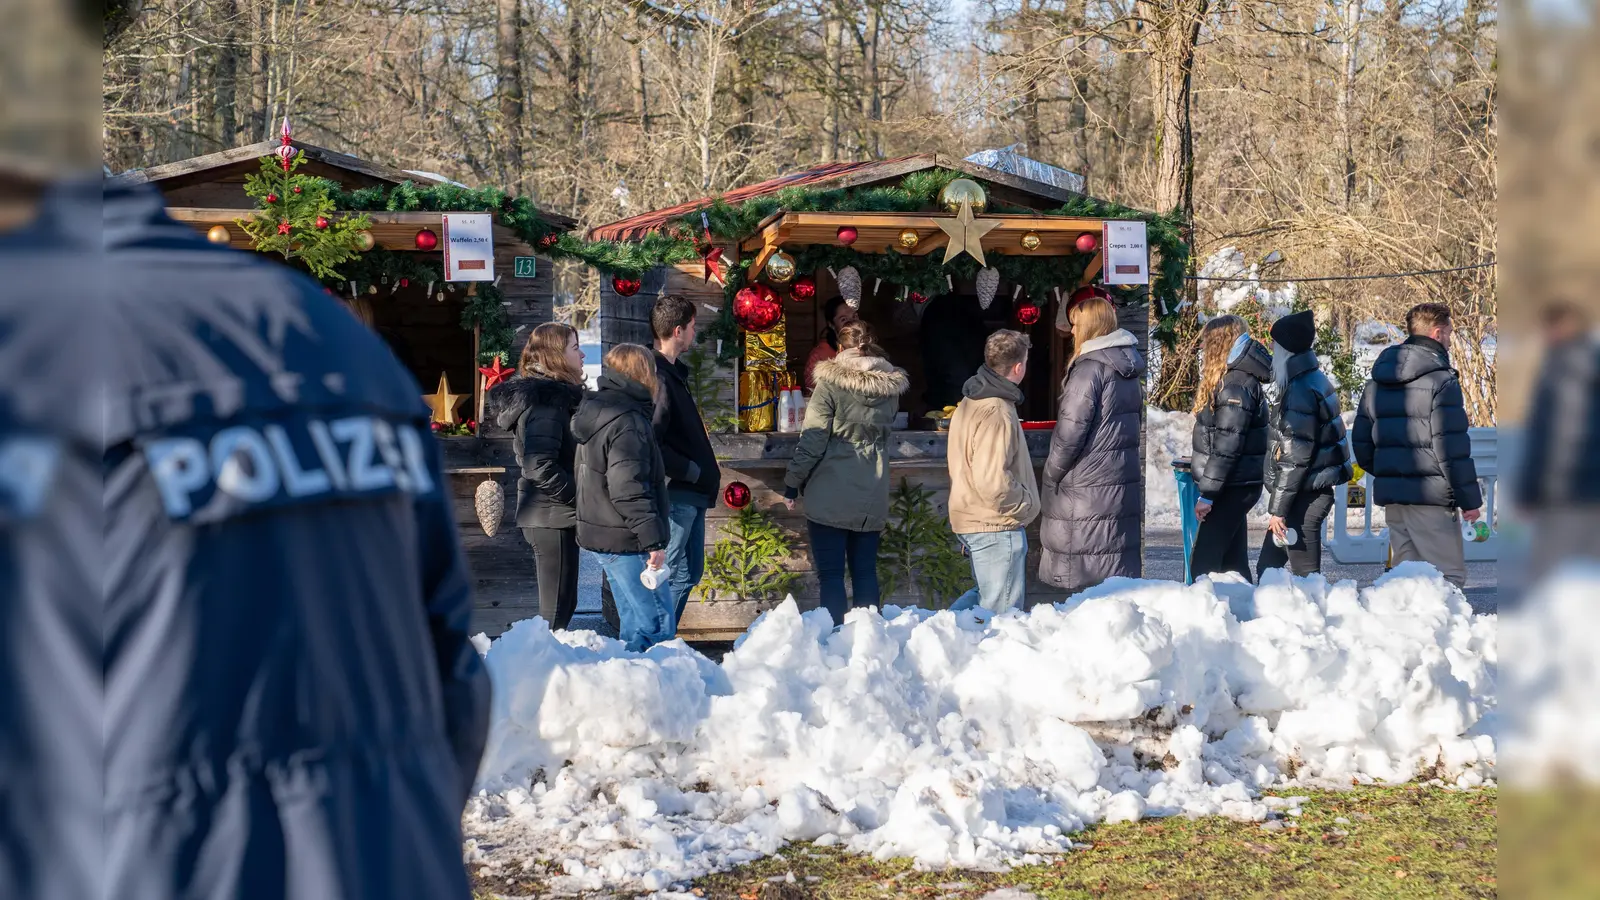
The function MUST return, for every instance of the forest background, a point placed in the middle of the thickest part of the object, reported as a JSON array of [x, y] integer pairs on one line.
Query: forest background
[[1344, 137]]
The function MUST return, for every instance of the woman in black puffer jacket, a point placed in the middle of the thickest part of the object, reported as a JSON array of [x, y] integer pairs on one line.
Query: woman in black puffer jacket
[[1230, 445], [622, 494], [537, 408], [1306, 456]]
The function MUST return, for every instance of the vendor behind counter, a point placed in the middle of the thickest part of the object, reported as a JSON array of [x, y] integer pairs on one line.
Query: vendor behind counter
[[837, 314]]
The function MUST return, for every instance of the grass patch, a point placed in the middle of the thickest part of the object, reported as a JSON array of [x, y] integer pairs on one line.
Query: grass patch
[[1399, 842]]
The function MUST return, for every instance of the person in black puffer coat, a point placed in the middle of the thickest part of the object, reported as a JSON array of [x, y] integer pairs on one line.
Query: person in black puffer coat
[[1306, 452], [1411, 436], [1092, 490], [1230, 445], [622, 493], [537, 408]]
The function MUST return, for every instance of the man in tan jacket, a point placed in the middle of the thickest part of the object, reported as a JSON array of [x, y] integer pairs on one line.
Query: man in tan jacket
[[993, 492]]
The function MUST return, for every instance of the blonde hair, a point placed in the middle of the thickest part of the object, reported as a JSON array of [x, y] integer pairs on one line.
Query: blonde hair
[[1093, 318], [546, 354], [633, 361], [1216, 340]]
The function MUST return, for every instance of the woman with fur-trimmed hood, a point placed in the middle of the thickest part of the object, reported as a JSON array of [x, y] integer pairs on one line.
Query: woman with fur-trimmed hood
[[841, 466], [536, 407]]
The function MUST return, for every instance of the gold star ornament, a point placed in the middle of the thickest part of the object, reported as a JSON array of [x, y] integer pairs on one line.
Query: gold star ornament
[[443, 403], [966, 234]]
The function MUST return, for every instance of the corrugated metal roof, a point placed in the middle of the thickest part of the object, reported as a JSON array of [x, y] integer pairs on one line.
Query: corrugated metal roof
[[644, 223]]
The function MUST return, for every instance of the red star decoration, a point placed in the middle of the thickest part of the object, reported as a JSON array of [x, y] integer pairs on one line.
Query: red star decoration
[[283, 227], [494, 373], [712, 257]]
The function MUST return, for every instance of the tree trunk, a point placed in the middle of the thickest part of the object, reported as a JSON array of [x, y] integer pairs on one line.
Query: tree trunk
[[641, 97], [227, 80], [260, 71], [832, 38], [508, 84], [872, 90], [1032, 133], [1344, 112]]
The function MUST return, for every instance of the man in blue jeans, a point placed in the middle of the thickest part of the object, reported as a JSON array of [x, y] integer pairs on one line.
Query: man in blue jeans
[[994, 494], [693, 476]]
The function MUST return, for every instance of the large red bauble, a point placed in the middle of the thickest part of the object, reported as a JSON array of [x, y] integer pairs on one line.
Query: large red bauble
[[847, 234], [625, 287], [756, 309], [1087, 291], [1088, 242], [1028, 313], [736, 495], [322, 221], [272, 198], [804, 288], [918, 298], [427, 240]]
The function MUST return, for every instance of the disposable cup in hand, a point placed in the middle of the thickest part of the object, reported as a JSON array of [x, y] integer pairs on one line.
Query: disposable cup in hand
[[1289, 537], [1475, 532], [653, 578]]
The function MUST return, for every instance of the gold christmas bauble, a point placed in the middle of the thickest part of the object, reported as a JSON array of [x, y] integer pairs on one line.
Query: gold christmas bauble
[[780, 268], [909, 239], [1031, 240], [219, 234], [963, 190], [365, 240]]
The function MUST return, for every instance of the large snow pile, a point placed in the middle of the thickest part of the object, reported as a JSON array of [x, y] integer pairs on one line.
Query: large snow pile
[[1231, 281], [962, 740]]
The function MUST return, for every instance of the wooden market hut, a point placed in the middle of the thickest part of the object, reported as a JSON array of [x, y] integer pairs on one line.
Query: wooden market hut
[[1031, 207], [422, 322]]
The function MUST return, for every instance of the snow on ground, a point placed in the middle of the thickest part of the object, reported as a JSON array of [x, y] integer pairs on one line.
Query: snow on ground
[[963, 740], [1232, 281]]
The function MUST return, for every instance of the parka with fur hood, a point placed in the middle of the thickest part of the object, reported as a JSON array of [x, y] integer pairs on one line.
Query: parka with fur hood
[[1092, 491], [841, 464]]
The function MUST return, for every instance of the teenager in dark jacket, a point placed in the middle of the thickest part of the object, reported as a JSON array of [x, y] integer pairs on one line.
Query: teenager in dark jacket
[[1230, 445], [622, 493], [1306, 455], [693, 476], [1092, 492], [842, 465], [1411, 435], [536, 407]]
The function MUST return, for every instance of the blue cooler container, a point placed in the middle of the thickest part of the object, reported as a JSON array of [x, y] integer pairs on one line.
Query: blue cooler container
[[1188, 496]]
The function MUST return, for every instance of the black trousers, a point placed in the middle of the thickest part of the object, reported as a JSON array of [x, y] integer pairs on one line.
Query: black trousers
[[1223, 542], [555, 559], [1304, 556]]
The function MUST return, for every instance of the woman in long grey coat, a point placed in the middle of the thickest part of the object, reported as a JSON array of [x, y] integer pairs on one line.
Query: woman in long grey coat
[[1092, 518]]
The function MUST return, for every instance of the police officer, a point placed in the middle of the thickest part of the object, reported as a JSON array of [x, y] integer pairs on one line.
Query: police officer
[[272, 671]]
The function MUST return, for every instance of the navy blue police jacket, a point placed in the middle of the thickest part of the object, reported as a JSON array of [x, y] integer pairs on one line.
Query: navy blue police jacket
[[290, 705]]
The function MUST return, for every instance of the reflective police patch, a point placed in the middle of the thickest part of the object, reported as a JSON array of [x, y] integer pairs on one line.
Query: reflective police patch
[[241, 467], [28, 466]]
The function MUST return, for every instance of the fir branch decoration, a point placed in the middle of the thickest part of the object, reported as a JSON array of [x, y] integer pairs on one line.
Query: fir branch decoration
[[296, 217], [748, 561], [918, 550]]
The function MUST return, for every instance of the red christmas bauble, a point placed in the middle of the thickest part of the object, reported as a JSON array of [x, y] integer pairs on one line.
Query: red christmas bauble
[[804, 288], [847, 234], [736, 495], [297, 189], [427, 240], [1084, 293], [549, 240], [1028, 313], [1088, 242], [405, 282], [756, 309], [272, 198], [918, 298], [322, 221], [625, 287]]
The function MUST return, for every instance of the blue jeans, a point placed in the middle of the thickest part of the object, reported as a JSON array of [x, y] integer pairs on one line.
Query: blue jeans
[[646, 615], [999, 563], [686, 552], [831, 550]]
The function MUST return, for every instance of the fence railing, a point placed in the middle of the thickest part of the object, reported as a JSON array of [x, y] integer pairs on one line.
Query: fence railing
[[1369, 544]]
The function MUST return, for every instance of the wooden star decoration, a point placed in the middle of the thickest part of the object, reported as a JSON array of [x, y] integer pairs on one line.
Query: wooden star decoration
[[443, 403], [966, 234], [495, 373]]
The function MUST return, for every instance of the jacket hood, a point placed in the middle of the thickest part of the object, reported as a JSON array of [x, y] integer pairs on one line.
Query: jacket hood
[[1416, 358], [988, 383], [618, 395], [871, 376], [510, 399], [1251, 358], [1119, 350]]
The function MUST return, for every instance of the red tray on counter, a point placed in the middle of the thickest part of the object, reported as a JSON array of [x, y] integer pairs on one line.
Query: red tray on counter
[[1038, 426]]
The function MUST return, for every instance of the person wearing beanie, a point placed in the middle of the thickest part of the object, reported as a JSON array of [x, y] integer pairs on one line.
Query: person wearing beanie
[[1411, 434], [1306, 453]]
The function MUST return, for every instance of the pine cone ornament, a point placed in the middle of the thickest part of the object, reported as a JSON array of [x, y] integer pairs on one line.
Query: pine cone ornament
[[490, 502], [988, 283], [849, 286]]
